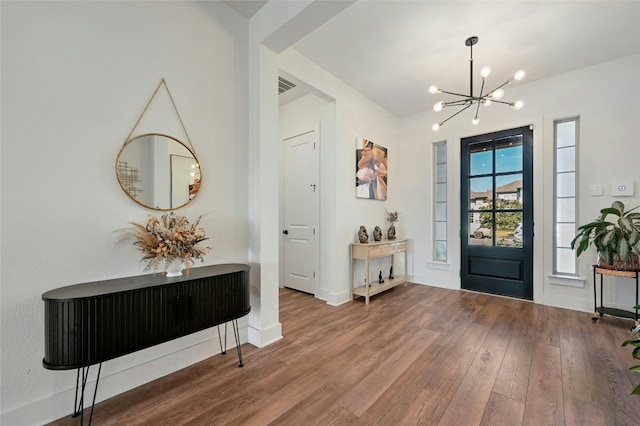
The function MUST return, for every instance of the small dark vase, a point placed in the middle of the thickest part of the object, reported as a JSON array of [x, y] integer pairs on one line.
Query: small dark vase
[[391, 233]]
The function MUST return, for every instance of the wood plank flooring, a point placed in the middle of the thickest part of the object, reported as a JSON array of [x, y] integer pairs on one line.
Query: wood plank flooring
[[415, 356]]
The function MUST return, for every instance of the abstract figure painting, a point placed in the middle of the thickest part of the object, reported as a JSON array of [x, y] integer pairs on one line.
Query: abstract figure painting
[[371, 170]]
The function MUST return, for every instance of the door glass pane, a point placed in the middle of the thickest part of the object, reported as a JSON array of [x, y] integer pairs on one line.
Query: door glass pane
[[509, 191], [480, 159], [480, 192], [566, 160], [509, 154], [566, 185], [509, 229], [480, 228]]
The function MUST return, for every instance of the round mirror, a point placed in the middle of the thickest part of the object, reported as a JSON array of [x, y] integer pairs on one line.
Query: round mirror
[[158, 171]]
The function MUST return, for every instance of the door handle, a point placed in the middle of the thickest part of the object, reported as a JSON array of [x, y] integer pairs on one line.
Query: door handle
[[285, 232]]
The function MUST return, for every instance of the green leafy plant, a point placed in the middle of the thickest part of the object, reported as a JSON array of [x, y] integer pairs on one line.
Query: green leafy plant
[[621, 236], [635, 341], [505, 220]]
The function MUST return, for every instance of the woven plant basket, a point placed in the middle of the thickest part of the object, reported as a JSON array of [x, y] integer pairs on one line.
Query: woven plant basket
[[631, 264]]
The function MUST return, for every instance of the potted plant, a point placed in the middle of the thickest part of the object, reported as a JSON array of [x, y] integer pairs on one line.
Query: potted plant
[[635, 341], [617, 241]]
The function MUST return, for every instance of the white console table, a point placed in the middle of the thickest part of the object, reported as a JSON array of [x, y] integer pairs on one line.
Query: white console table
[[372, 250]]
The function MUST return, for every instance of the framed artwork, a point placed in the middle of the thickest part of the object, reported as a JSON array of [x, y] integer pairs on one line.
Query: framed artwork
[[371, 170]]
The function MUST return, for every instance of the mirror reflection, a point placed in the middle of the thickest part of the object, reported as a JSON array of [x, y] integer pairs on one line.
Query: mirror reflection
[[158, 171]]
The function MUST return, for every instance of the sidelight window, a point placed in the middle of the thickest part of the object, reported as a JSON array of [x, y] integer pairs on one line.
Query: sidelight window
[[440, 202], [565, 171]]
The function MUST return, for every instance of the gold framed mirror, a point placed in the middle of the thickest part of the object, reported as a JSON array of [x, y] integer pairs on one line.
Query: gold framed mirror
[[158, 171]]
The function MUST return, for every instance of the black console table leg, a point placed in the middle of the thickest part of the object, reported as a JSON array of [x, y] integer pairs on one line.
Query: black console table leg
[[236, 333], [81, 384], [223, 349]]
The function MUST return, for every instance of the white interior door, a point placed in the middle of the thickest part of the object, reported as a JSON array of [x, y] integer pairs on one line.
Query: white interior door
[[301, 195]]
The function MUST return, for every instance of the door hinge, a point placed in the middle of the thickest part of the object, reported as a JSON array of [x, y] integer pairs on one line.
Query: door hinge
[[314, 231], [314, 274]]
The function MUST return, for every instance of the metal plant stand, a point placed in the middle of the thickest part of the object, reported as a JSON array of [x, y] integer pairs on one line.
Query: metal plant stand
[[601, 310]]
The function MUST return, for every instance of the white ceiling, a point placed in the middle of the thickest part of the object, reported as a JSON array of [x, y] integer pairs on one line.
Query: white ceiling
[[393, 50]]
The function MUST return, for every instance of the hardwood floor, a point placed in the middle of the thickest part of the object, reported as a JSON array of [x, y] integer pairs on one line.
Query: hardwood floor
[[415, 356]]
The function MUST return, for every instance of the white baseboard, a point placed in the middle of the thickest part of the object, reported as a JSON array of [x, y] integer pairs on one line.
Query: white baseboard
[[336, 299], [265, 337], [572, 303], [146, 365]]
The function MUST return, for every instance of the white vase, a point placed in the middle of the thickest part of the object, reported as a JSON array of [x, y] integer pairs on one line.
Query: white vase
[[174, 267]]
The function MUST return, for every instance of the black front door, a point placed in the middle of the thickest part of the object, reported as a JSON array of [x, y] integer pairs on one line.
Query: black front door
[[497, 213]]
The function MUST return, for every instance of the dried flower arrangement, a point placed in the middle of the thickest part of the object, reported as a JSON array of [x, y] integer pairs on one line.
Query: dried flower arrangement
[[391, 216], [169, 237]]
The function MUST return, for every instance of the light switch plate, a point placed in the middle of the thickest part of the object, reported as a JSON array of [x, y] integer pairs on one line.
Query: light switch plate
[[622, 188], [596, 190]]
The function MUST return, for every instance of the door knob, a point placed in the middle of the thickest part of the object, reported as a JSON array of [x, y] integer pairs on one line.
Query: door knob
[[285, 232]]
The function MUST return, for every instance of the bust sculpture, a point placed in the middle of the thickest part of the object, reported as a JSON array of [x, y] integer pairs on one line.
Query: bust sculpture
[[377, 233], [363, 236]]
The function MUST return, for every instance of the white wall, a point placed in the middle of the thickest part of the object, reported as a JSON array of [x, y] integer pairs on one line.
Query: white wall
[[340, 212], [606, 98], [75, 78]]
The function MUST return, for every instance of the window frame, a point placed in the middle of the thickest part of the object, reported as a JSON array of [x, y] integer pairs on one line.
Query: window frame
[[436, 203], [575, 197]]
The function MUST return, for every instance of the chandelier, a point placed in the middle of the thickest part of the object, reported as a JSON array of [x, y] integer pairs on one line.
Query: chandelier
[[484, 98]]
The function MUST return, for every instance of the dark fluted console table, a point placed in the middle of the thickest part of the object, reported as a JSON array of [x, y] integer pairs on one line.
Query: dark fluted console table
[[87, 324]]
